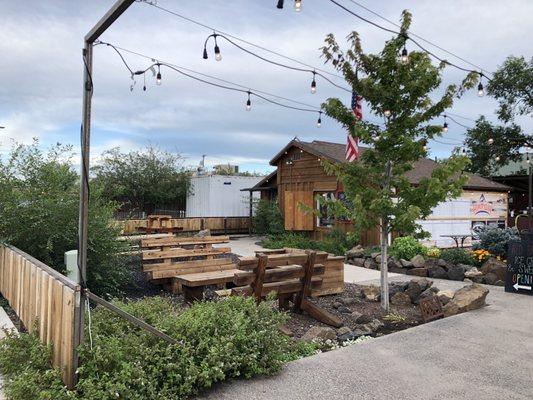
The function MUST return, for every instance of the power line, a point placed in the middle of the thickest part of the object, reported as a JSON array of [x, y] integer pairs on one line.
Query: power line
[[213, 29], [419, 37]]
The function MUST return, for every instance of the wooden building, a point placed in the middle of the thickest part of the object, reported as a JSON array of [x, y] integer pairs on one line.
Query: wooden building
[[300, 177]]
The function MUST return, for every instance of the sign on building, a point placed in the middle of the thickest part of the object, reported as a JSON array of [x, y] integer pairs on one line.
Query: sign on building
[[519, 278]]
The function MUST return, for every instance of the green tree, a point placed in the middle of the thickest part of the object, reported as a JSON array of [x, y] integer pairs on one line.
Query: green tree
[[142, 180], [491, 146], [512, 86], [399, 90], [39, 198]]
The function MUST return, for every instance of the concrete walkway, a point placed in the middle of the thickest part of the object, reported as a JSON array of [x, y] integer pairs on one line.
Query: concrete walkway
[[483, 354]]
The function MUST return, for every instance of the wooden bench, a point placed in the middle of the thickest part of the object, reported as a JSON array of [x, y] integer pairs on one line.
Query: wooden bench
[[292, 283], [193, 284], [159, 224]]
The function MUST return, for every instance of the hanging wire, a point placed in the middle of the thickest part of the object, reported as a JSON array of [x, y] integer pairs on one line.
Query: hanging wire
[[218, 31]]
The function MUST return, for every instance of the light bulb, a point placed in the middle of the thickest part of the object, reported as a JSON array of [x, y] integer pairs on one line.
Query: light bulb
[[491, 140], [445, 127], [248, 105], [480, 90], [298, 5], [497, 158], [313, 86], [280, 4], [158, 79], [405, 56], [425, 148], [387, 113], [319, 122], [205, 54], [218, 55]]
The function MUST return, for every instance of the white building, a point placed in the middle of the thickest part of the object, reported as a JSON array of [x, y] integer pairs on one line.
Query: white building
[[220, 196]]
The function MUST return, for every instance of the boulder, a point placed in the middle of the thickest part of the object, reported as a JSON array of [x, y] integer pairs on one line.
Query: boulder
[[418, 261], [491, 278], [431, 262], [344, 310], [445, 296], [372, 293], [429, 292], [343, 330], [437, 272], [496, 267], [467, 267], [456, 273], [361, 318], [413, 290], [356, 252], [472, 273], [442, 263], [373, 325], [319, 332], [349, 301], [370, 263], [337, 304], [424, 283], [417, 272], [394, 264], [500, 283], [375, 255], [405, 263], [401, 299], [358, 262], [466, 299]]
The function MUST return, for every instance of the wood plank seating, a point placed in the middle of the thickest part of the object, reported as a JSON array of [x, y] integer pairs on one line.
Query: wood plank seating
[[292, 283], [159, 224], [193, 284]]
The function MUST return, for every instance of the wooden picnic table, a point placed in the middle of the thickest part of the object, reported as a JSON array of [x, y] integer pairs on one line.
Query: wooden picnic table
[[458, 238], [193, 284]]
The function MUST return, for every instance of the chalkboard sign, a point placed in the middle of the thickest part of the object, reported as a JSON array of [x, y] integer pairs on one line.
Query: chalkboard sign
[[519, 278]]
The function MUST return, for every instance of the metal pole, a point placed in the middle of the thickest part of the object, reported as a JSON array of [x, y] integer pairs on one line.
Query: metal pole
[[530, 198]]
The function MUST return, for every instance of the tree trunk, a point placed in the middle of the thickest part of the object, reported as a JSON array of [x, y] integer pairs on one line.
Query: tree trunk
[[384, 267]]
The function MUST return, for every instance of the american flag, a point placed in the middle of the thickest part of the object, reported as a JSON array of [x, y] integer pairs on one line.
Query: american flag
[[352, 144]]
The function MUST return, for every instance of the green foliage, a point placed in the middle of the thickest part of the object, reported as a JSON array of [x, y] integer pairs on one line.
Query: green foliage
[[457, 255], [268, 218], [433, 252], [496, 240], [406, 90], [483, 155], [511, 86], [407, 247], [231, 338], [143, 179], [336, 242], [39, 195]]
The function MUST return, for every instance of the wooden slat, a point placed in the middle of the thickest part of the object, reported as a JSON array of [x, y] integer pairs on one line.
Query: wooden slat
[[57, 312], [44, 302], [276, 274], [184, 253], [174, 241], [185, 264], [207, 278], [67, 335], [171, 273], [285, 287]]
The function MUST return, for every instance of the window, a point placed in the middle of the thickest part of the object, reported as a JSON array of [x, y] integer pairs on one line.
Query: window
[[324, 219]]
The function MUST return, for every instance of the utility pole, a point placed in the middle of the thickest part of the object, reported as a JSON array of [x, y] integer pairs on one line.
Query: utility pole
[[105, 22]]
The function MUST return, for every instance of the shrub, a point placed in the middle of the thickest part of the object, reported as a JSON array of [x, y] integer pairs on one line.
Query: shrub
[[496, 240], [336, 242], [457, 255], [218, 340], [39, 195], [433, 252], [268, 218], [407, 247], [480, 256]]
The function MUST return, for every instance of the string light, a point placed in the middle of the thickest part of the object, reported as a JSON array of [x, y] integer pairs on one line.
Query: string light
[[297, 5], [319, 122], [249, 102], [387, 113], [158, 77], [491, 140], [497, 158], [313, 84], [280, 4], [445, 125], [218, 54], [404, 59]]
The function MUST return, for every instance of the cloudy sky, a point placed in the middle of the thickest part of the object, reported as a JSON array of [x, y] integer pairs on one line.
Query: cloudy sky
[[41, 69]]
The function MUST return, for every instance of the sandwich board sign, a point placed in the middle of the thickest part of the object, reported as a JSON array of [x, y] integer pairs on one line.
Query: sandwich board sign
[[519, 277]]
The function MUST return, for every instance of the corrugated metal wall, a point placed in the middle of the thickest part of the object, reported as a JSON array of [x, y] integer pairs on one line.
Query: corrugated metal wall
[[220, 196]]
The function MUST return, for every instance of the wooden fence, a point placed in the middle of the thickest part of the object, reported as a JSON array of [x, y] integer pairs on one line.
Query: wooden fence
[[45, 300], [223, 225]]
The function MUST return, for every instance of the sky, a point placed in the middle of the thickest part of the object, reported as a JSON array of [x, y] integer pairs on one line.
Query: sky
[[41, 68]]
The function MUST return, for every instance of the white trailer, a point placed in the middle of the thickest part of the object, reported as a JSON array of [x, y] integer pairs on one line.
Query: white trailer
[[220, 196]]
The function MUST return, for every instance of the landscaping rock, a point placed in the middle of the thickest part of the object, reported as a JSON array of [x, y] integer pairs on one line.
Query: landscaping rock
[[496, 267], [456, 273], [466, 299], [337, 304], [491, 278], [343, 330], [430, 292], [406, 264], [358, 262], [472, 273], [413, 290], [431, 262], [375, 255], [401, 299], [500, 283], [418, 261], [466, 267], [356, 252], [372, 293], [370, 263], [394, 264], [442, 263], [417, 271], [350, 301], [361, 318], [445, 296], [424, 283], [374, 325], [286, 330], [349, 336], [437, 272], [319, 332], [344, 310]]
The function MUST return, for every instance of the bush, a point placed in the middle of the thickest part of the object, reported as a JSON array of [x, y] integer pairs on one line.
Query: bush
[[496, 240], [268, 219], [218, 340], [457, 255], [336, 242], [433, 252], [39, 195], [407, 247]]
